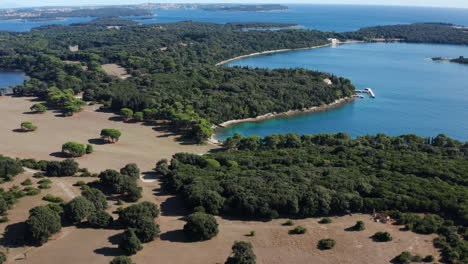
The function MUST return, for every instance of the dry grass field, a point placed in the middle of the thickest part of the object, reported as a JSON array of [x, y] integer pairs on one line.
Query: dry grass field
[[144, 145]]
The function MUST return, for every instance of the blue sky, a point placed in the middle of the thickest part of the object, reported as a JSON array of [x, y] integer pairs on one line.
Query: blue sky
[[439, 3]]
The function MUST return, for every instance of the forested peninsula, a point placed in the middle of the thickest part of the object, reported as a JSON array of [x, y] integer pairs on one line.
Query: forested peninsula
[[174, 72]]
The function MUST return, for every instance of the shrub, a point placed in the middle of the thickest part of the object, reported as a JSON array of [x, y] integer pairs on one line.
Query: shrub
[[131, 170], [80, 183], [298, 230], [27, 182], [242, 253], [78, 208], [31, 191], [112, 135], [38, 175], [41, 224], [100, 219], [201, 227], [428, 258], [52, 199], [382, 236], [359, 226], [38, 108], [4, 219], [126, 113], [289, 223], [146, 229], [96, 197], [325, 244], [74, 149], [89, 149], [130, 242], [325, 220], [130, 216], [45, 181], [55, 207], [3, 257], [138, 116], [9, 167], [403, 258], [28, 126], [121, 260]]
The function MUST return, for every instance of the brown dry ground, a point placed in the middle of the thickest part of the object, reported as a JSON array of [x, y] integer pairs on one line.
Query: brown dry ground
[[143, 145], [116, 70]]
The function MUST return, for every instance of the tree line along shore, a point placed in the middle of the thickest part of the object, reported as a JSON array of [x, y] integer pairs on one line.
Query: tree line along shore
[[202, 95]]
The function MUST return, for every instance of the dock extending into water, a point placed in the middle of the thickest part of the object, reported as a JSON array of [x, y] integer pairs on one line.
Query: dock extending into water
[[367, 91]]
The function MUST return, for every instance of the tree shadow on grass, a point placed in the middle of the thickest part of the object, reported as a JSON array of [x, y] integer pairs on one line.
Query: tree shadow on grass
[[59, 154], [115, 239], [175, 236], [109, 252], [14, 234], [98, 141], [173, 206], [19, 130], [150, 175]]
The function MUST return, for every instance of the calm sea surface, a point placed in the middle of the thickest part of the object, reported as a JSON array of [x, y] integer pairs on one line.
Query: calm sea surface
[[414, 95], [8, 78], [322, 17]]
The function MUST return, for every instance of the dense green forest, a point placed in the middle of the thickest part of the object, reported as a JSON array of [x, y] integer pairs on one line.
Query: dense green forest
[[325, 174], [417, 33], [173, 64]]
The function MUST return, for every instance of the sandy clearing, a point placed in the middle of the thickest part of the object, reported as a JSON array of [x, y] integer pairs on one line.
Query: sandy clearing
[[116, 70], [139, 143]]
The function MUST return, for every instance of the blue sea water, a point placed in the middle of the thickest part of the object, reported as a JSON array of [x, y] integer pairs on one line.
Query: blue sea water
[[338, 18], [413, 95], [8, 78], [322, 17]]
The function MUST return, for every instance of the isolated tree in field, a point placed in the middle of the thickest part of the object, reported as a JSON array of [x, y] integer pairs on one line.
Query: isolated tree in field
[[74, 149], [112, 135], [121, 260], [41, 224], [131, 170], [201, 226], [126, 113], [130, 242], [382, 236], [38, 108], [78, 209], [359, 226], [242, 253], [325, 244], [28, 126]]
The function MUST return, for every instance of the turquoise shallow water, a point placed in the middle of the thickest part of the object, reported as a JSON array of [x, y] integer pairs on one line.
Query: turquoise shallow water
[[414, 95]]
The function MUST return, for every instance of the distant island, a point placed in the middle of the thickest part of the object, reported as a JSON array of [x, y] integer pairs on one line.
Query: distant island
[[260, 25], [244, 8], [46, 14], [460, 59]]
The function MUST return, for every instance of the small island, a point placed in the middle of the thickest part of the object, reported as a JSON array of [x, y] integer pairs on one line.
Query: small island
[[244, 8], [460, 59]]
